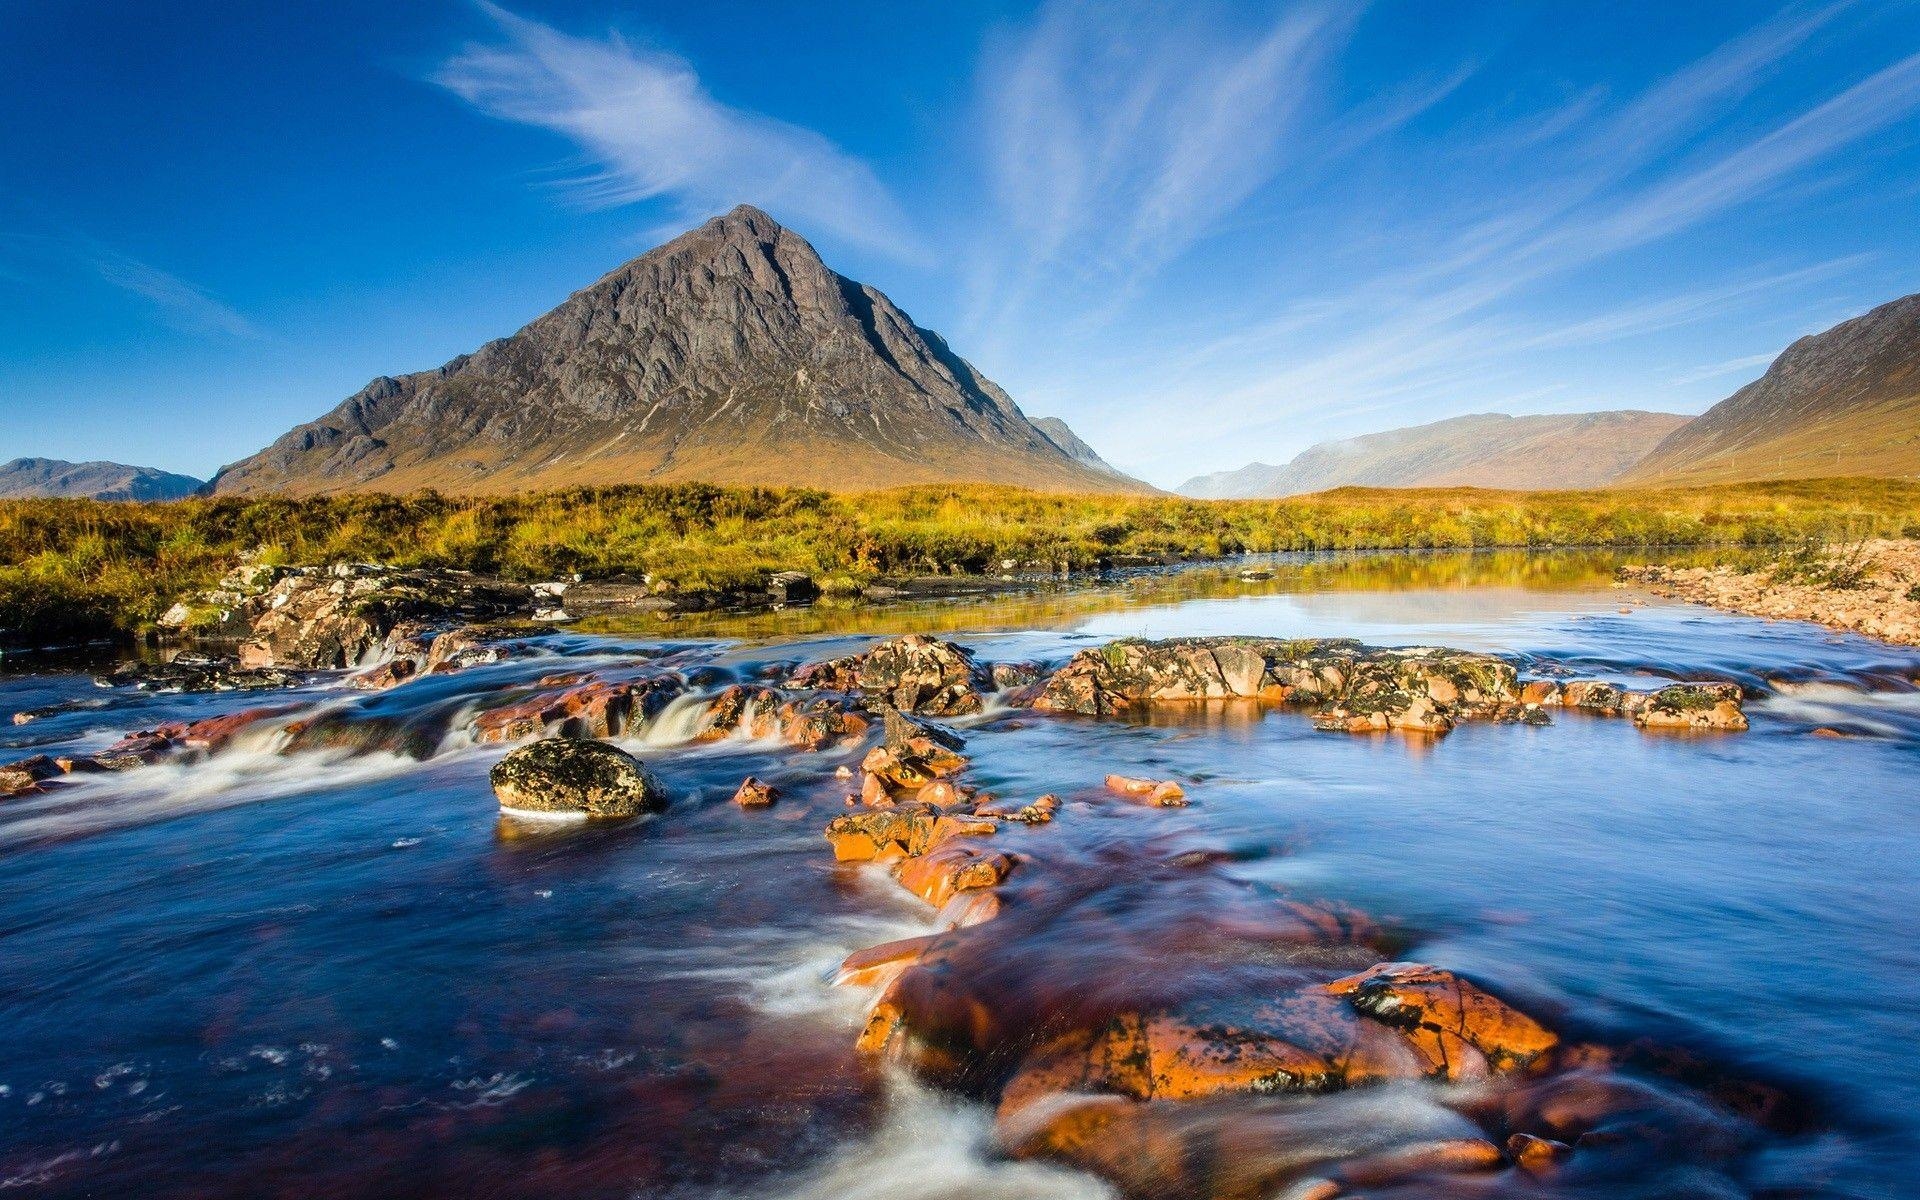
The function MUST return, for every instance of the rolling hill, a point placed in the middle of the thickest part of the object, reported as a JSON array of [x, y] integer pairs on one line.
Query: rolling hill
[[1577, 450], [33, 478]]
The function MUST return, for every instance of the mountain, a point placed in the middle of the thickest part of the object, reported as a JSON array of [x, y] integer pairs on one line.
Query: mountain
[[1574, 450], [32, 478], [1843, 402], [731, 354], [1070, 444]]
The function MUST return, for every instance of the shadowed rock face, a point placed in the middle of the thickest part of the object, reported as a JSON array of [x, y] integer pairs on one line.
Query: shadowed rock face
[[1843, 402], [731, 354]]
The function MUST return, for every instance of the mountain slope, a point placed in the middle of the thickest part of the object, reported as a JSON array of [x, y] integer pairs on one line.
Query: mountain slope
[[729, 355], [1843, 402], [33, 478], [1575, 450], [1069, 442]]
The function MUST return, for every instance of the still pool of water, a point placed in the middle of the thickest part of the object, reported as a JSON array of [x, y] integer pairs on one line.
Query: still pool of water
[[343, 973]]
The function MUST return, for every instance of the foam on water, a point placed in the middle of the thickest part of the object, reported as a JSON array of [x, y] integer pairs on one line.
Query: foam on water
[[931, 1147], [94, 803]]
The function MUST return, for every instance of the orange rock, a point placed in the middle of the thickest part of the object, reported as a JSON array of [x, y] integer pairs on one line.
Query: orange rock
[[902, 831], [876, 964], [954, 867], [941, 792], [24, 776], [1593, 695], [1541, 692], [392, 673], [1439, 1012], [1536, 1155], [753, 794], [1163, 792], [1692, 706], [968, 908], [1403, 1163], [873, 791]]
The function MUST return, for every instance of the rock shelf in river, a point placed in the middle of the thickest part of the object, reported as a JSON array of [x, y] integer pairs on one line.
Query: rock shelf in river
[[1149, 1018]]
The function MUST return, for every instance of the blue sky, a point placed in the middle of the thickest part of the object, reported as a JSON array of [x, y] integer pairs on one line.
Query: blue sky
[[1203, 234]]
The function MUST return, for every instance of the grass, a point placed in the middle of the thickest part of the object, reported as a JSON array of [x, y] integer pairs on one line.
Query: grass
[[74, 569], [1818, 563]]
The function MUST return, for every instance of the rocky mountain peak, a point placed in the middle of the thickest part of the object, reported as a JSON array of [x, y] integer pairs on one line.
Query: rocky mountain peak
[[731, 354]]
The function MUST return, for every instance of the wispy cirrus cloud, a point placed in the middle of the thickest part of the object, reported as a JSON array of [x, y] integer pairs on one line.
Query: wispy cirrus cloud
[[173, 301], [650, 129], [183, 305], [1443, 281], [1720, 370], [1117, 135]]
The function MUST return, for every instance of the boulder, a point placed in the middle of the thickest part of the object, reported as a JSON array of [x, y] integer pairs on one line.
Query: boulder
[[921, 674], [568, 775], [582, 707], [741, 708], [313, 618], [817, 723], [1459, 1030], [1692, 706], [1162, 792], [791, 587], [1354, 687], [193, 672], [23, 777], [902, 831], [753, 794]]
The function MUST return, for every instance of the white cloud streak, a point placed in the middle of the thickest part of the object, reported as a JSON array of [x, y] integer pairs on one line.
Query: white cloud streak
[[182, 305], [171, 300], [652, 130], [1120, 134], [1439, 297]]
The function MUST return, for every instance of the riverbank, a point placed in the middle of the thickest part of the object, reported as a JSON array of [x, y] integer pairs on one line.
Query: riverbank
[[73, 570], [1871, 587]]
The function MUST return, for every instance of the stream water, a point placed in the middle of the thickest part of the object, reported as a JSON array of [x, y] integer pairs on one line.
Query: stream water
[[342, 972]]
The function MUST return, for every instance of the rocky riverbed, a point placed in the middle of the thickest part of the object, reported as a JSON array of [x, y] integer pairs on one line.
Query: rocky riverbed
[[1155, 903], [1872, 588]]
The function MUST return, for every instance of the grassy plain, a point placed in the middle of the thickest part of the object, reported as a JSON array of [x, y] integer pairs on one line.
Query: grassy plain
[[72, 569]]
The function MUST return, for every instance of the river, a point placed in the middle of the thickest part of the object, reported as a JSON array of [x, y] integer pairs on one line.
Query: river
[[342, 972]]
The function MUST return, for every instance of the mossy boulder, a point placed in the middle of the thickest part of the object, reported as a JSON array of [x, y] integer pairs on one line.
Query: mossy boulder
[[568, 775]]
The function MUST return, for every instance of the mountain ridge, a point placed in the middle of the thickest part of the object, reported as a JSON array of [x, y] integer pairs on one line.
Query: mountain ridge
[[730, 354], [39, 478], [1842, 402], [1493, 450]]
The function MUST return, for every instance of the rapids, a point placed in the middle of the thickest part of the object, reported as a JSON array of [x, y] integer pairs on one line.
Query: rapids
[[332, 967]]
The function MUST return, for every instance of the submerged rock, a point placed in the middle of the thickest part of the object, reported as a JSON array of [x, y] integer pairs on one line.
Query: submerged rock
[[561, 775], [1162, 792], [193, 672]]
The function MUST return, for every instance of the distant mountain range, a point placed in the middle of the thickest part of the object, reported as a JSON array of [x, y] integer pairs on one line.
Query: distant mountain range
[[1843, 402], [1578, 450], [732, 354], [36, 478]]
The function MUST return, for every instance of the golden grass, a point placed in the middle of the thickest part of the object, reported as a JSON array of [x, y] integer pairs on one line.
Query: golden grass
[[75, 568]]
